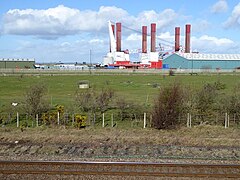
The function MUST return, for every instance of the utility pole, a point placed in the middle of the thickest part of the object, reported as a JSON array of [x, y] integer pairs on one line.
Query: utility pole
[[192, 63], [90, 61]]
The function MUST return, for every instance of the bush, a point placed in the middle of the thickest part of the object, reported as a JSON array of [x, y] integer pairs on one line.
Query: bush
[[93, 101], [80, 121], [168, 107], [171, 72], [207, 101], [34, 100], [128, 110], [85, 100], [49, 118]]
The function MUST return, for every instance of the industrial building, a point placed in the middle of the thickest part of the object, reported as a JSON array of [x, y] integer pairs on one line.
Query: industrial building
[[117, 57], [17, 63], [180, 58], [202, 61]]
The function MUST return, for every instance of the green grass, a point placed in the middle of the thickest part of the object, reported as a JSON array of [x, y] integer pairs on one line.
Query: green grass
[[135, 87]]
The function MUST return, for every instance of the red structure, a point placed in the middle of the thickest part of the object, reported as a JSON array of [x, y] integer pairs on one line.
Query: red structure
[[113, 28], [144, 39], [153, 37], [156, 65], [122, 63], [187, 38], [177, 39], [118, 36]]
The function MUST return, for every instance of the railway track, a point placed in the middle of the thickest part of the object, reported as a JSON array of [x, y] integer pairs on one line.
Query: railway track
[[118, 169]]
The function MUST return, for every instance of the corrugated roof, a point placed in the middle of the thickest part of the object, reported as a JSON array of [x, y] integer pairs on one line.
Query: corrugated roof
[[219, 57], [16, 59]]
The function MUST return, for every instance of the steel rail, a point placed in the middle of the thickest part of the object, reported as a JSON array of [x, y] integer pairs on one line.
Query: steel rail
[[119, 169]]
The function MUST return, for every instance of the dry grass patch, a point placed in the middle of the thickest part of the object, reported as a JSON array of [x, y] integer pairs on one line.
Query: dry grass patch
[[196, 136]]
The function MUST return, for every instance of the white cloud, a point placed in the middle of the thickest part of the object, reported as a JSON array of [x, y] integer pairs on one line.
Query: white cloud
[[220, 7], [163, 19], [216, 41], [64, 44], [211, 44], [234, 19], [96, 41], [166, 36], [58, 21], [61, 20], [134, 37]]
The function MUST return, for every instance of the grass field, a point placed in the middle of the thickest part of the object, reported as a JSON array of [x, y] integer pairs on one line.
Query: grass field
[[137, 87]]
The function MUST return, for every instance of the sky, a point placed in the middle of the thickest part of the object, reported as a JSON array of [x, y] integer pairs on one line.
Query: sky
[[68, 30]]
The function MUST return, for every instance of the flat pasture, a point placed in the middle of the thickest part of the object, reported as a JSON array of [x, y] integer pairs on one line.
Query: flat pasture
[[139, 88]]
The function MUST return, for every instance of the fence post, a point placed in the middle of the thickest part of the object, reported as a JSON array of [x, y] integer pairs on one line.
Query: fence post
[[94, 118], [103, 120], [112, 119], [150, 120], [228, 123], [17, 119], [234, 118], [58, 118], [188, 119], [225, 120], [144, 120], [37, 120], [73, 120]]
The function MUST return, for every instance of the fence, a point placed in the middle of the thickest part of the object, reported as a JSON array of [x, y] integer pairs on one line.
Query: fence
[[5, 72], [112, 120]]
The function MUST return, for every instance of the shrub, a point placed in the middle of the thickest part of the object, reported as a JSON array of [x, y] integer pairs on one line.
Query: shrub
[[92, 101], [207, 101], [168, 107], [128, 110], [171, 72], [85, 100], [34, 100], [80, 121], [49, 118], [103, 99]]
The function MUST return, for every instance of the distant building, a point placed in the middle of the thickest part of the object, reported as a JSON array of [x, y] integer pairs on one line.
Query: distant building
[[17, 63], [202, 61]]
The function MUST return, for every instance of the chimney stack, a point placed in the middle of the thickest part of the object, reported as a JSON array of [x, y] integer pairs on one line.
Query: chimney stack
[[187, 38], [118, 36], [144, 39], [153, 37], [177, 39]]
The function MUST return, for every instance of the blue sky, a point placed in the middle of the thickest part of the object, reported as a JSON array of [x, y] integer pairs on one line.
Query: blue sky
[[66, 30]]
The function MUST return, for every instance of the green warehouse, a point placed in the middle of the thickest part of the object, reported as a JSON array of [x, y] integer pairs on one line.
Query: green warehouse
[[17, 63], [199, 61]]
